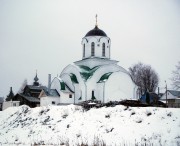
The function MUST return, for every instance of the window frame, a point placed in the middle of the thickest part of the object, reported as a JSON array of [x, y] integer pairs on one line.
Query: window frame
[[70, 95], [103, 50], [84, 50], [92, 49]]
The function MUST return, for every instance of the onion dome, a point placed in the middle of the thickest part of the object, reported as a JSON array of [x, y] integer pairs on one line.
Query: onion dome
[[36, 83], [36, 78], [96, 32]]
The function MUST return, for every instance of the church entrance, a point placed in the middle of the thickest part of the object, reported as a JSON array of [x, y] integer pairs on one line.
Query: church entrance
[[93, 97]]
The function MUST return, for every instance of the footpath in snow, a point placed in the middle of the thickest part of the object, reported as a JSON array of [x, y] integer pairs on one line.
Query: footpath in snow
[[71, 125]]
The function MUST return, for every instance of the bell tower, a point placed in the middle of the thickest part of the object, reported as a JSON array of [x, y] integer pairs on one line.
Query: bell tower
[[96, 44]]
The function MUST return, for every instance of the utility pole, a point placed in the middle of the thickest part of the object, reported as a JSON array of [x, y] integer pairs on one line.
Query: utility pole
[[166, 94]]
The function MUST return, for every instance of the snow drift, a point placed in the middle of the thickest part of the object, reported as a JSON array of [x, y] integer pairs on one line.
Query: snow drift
[[61, 125]]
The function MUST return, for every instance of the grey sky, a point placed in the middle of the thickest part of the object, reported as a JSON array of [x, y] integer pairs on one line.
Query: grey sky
[[46, 35]]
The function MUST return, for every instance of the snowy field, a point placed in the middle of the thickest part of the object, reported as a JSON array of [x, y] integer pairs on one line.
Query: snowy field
[[71, 125]]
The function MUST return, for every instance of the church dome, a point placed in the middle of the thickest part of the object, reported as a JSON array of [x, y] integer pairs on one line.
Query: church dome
[[96, 32]]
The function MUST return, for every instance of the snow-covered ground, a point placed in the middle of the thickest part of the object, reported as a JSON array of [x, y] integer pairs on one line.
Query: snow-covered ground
[[71, 125]]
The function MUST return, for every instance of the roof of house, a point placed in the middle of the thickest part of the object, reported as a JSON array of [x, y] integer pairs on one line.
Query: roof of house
[[30, 98], [174, 92], [52, 92], [36, 87]]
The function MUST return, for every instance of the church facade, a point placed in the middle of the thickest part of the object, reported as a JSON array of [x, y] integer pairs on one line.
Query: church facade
[[96, 76]]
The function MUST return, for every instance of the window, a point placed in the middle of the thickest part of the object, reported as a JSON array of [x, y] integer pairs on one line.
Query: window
[[70, 96], [84, 50], [92, 48], [53, 102], [103, 49], [14, 104]]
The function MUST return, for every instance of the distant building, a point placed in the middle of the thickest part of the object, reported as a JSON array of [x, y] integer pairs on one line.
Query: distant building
[[50, 97], [153, 98], [11, 103], [36, 95], [30, 94], [173, 98]]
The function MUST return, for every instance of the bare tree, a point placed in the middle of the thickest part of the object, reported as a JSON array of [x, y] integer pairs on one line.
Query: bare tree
[[176, 77], [144, 77], [21, 90]]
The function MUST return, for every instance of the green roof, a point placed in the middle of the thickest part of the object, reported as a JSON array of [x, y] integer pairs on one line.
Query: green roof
[[73, 78], [62, 85], [104, 77], [87, 72]]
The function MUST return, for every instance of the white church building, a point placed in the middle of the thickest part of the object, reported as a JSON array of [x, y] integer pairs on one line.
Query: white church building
[[96, 76]]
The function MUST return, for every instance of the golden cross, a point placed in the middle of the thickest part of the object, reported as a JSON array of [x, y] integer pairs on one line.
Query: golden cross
[[96, 20]]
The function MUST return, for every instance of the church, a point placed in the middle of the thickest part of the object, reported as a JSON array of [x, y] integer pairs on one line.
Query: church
[[96, 76]]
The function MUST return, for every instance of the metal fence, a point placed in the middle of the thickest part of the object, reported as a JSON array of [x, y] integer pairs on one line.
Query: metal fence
[[174, 105]]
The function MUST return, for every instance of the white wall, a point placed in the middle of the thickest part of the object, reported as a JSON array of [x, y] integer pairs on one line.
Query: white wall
[[64, 95], [99, 93], [64, 98], [119, 86], [98, 40], [7, 104], [47, 100]]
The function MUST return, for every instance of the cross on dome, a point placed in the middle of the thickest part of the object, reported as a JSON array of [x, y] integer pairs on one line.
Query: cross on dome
[[96, 20]]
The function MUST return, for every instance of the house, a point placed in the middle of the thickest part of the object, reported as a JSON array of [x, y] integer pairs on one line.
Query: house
[[1, 103], [151, 99], [96, 76], [173, 98], [30, 94], [36, 95], [11, 103], [50, 97]]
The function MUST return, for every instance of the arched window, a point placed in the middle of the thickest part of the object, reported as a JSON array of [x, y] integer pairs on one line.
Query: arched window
[[84, 50], [92, 49], [103, 49]]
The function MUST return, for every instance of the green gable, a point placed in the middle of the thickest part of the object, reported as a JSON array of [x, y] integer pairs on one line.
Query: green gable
[[62, 85], [87, 72], [73, 78], [104, 77]]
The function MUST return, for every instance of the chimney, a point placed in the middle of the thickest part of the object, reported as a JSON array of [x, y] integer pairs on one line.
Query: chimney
[[49, 82]]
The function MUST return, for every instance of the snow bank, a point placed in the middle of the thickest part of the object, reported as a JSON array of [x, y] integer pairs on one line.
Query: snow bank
[[61, 125]]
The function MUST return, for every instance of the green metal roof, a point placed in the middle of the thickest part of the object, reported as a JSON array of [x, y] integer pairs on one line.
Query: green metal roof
[[87, 72], [62, 85], [73, 78], [104, 77]]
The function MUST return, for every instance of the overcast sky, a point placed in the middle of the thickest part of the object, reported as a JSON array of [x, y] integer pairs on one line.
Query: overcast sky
[[46, 35]]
